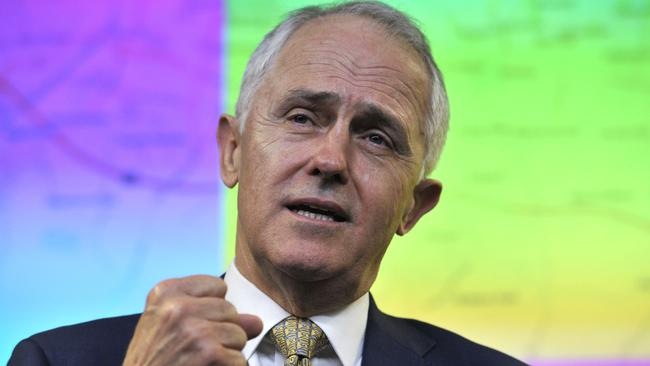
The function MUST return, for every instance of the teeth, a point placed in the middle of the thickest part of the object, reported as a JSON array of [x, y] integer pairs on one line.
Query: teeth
[[313, 215]]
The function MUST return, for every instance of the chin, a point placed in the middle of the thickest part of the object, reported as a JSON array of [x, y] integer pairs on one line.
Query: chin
[[305, 269]]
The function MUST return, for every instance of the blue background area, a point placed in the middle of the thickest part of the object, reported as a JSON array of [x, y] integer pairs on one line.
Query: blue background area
[[108, 161]]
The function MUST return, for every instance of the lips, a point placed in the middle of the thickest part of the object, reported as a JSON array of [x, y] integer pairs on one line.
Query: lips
[[318, 209]]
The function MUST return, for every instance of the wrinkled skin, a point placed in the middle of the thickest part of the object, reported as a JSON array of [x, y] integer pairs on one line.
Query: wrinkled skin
[[337, 119], [336, 124], [187, 322]]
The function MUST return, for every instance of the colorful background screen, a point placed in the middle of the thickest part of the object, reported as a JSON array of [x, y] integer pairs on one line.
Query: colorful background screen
[[539, 247]]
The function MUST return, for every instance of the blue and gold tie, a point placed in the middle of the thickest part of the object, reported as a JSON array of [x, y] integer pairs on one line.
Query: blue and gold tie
[[298, 340]]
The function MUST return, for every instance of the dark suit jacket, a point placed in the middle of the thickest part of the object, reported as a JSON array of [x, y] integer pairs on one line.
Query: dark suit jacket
[[388, 341]]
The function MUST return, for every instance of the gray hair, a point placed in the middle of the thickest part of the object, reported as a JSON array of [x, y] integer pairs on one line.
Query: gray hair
[[396, 23]]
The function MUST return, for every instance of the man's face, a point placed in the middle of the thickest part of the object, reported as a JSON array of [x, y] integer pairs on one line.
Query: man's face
[[331, 152]]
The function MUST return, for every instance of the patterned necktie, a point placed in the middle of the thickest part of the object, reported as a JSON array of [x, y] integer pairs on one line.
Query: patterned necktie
[[298, 340]]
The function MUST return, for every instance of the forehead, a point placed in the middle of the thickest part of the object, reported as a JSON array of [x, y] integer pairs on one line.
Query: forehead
[[357, 59]]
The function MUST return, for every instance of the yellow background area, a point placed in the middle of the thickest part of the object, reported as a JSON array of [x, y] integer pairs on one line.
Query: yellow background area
[[541, 242]]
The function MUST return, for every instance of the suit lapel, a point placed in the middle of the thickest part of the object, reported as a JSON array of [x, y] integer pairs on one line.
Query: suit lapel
[[393, 341]]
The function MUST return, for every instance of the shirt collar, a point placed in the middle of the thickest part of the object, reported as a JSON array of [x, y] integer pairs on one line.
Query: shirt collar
[[345, 328], [248, 299]]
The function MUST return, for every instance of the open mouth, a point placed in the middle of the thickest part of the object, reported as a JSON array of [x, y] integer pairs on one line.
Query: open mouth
[[317, 212]]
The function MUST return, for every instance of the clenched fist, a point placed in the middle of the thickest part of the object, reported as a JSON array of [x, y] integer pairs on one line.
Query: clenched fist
[[187, 322]]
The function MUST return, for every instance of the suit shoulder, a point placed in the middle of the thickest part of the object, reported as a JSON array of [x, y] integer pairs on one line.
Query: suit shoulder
[[454, 349], [28, 352], [89, 332], [98, 342]]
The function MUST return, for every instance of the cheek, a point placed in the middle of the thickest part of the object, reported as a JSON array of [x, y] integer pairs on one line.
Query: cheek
[[272, 160], [384, 193], [260, 156], [385, 182]]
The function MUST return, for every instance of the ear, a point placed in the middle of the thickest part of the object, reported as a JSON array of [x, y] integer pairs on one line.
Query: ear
[[425, 197], [228, 138]]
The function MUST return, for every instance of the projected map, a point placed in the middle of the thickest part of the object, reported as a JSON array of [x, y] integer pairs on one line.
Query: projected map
[[108, 179], [539, 246]]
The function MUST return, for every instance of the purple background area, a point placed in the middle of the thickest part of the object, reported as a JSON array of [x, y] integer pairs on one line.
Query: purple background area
[[108, 161]]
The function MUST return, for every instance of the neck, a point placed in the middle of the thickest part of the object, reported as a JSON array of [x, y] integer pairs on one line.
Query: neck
[[298, 297]]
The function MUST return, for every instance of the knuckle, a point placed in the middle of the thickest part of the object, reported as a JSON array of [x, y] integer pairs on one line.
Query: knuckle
[[212, 354], [227, 309], [198, 332], [232, 335], [207, 280], [160, 290], [175, 309], [220, 284], [223, 356], [237, 361], [241, 361]]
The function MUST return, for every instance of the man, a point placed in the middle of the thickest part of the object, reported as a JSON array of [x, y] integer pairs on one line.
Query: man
[[342, 114]]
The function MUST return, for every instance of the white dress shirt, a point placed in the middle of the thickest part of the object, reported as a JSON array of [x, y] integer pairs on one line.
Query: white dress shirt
[[344, 328]]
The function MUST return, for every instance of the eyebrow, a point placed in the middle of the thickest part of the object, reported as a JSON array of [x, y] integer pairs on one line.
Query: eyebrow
[[308, 98], [372, 113], [368, 115]]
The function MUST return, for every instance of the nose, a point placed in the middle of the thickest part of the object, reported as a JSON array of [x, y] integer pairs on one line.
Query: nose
[[330, 159]]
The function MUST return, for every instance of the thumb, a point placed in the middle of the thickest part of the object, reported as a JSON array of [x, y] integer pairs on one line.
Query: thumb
[[251, 324]]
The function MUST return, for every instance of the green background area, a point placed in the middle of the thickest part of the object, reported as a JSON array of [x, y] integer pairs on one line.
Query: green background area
[[541, 242]]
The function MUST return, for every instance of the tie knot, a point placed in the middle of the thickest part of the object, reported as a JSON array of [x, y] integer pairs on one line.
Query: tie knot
[[298, 339]]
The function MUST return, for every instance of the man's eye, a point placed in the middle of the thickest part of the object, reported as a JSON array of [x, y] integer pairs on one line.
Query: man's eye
[[377, 139], [300, 119]]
